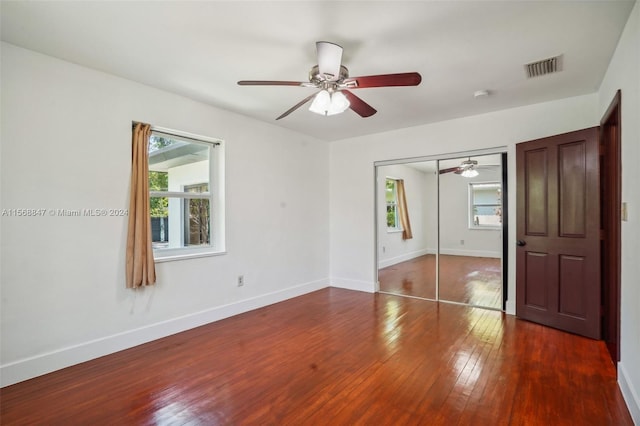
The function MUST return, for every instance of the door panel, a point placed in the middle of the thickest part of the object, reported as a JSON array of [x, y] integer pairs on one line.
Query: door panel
[[558, 255], [572, 301], [536, 191], [536, 270], [573, 186]]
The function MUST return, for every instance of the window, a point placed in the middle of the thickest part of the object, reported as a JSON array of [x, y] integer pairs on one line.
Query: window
[[393, 221], [186, 194], [485, 205]]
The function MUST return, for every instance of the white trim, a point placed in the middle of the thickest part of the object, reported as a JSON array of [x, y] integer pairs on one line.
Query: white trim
[[447, 156], [629, 393], [171, 133], [160, 257], [471, 253], [366, 286], [405, 257], [38, 365], [510, 307]]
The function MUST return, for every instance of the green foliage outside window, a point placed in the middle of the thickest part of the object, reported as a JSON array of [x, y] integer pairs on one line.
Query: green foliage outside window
[[392, 204], [159, 181]]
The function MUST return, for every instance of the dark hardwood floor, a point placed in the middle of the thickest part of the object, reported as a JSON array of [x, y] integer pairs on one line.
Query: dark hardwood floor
[[338, 357], [471, 280]]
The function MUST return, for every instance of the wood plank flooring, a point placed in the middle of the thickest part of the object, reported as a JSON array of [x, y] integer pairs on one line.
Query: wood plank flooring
[[464, 279], [338, 357]]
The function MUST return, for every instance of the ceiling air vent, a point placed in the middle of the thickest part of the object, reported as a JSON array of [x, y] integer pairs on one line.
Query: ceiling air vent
[[546, 66]]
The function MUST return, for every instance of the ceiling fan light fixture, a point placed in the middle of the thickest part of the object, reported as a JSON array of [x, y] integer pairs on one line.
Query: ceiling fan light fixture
[[321, 103], [326, 103], [339, 104], [470, 173]]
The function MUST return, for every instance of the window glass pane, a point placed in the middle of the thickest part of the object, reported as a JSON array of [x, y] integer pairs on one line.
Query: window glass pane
[[158, 181], [391, 216], [488, 219], [175, 164], [196, 222], [157, 142], [486, 204], [180, 222], [391, 191], [159, 207]]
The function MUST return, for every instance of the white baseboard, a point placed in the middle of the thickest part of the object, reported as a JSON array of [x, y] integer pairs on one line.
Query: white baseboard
[[471, 253], [453, 252], [510, 307], [357, 285], [38, 365], [629, 392], [403, 258]]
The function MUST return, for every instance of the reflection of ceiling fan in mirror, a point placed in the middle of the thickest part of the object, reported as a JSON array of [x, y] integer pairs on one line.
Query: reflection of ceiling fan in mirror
[[469, 168]]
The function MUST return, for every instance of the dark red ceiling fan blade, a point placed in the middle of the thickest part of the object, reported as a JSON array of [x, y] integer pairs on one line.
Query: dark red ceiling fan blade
[[385, 80], [270, 83], [361, 108], [451, 169], [296, 106]]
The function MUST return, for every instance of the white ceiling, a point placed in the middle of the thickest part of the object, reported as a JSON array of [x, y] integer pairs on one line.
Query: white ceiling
[[201, 49]]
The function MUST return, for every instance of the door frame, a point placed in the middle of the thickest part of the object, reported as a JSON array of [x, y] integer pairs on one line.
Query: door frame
[[610, 207]]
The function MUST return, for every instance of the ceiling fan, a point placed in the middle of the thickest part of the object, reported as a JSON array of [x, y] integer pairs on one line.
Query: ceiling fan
[[468, 168], [332, 78]]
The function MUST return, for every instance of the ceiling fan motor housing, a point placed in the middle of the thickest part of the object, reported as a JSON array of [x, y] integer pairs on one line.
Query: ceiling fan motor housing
[[318, 79]]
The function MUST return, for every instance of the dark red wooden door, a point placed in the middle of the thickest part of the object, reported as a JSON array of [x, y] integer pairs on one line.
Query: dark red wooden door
[[558, 232]]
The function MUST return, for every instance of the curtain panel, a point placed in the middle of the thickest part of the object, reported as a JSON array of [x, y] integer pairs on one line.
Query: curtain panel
[[402, 211], [140, 266]]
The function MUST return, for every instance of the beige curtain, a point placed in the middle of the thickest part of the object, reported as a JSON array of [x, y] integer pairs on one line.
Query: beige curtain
[[402, 211], [140, 265]]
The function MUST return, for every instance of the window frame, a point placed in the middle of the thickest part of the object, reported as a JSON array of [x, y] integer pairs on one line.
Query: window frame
[[215, 195], [471, 205], [398, 225]]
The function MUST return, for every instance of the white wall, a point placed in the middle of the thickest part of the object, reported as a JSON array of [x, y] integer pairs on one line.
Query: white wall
[[624, 73], [352, 160], [392, 248], [66, 143]]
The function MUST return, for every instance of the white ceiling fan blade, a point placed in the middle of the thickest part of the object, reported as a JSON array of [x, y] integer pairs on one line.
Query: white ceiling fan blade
[[329, 59]]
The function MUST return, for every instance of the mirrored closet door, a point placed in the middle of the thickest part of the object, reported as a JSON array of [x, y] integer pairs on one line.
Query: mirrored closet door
[[440, 229], [470, 205], [408, 228]]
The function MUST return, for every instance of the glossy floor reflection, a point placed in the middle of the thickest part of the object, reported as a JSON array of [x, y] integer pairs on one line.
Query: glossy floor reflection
[[338, 357], [471, 280]]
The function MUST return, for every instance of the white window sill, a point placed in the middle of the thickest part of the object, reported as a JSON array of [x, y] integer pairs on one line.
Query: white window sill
[[485, 228], [394, 231], [171, 257]]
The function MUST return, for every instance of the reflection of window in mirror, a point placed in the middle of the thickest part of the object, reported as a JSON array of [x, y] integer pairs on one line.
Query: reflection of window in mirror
[[391, 196], [485, 205]]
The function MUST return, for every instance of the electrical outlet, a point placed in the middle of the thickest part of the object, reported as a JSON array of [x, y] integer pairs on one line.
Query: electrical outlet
[[240, 280], [461, 242], [384, 249]]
